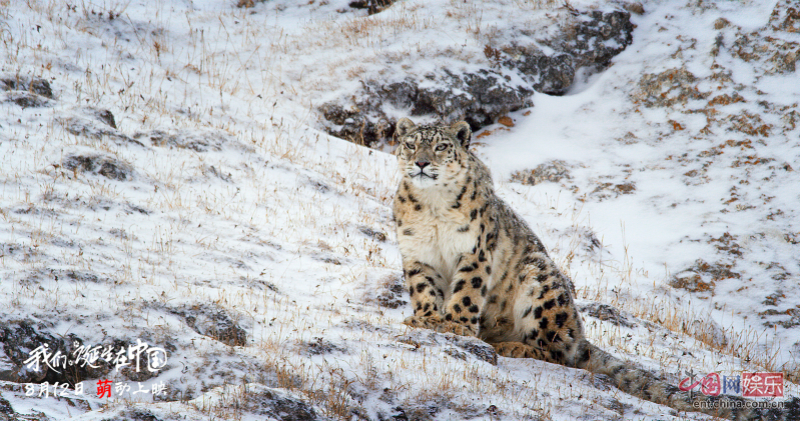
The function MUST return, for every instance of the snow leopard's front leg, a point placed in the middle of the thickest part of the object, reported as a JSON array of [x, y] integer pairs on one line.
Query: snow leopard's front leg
[[468, 294], [425, 286], [462, 311]]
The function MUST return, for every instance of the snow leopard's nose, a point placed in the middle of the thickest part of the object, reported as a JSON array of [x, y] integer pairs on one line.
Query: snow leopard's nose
[[422, 164]]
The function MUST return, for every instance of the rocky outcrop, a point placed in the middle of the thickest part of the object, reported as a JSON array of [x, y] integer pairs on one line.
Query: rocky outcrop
[[32, 354], [106, 166], [27, 92], [479, 98], [372, 6], [514, 72], [213, 321]]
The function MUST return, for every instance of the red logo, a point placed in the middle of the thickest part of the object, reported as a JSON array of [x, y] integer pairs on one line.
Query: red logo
[[762, 384], [709, 385], [103, 388]]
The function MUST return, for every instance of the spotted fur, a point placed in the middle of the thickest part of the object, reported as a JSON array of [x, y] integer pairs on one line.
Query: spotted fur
[[474, 268]]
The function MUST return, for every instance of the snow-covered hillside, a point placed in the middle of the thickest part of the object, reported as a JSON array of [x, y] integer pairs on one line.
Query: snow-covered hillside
[[168, 180], [684, 154]]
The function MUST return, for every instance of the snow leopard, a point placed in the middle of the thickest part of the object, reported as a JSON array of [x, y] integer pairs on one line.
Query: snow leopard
[[473, 267]]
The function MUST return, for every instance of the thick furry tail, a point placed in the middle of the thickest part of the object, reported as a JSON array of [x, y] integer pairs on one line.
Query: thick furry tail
[[641, 383]]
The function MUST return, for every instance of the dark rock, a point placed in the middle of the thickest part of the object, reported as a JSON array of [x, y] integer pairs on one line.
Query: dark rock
[[67, 275], [791, 409], [479, 98], [320, 346], [131, 208], [787, 319], [327, 257], [213, 321], [552, 171], [373, 6], [492, 97], [552, 74], [391, 292], [105, 116], [278, 404], [606, 313], [515, 72], [7, 412], [478, 348], [399, 414], [98, 127], [599, 37], [20, 338], [356, 126], [212, 171], [200, 141], [81, 276], [430, 407], [66, 359], [34, 85], [319, 186], [133, 415], [31, 209], [373, 233], [590, 42], [464, 345], [5, 406], [26, 99], [106, 166], [41, 87]]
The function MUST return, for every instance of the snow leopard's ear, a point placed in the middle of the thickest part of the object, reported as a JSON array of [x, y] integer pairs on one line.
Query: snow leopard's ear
[[403, 127], [463, 133]]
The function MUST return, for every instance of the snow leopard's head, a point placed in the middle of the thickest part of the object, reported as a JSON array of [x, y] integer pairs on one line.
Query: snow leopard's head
[[431, 155]]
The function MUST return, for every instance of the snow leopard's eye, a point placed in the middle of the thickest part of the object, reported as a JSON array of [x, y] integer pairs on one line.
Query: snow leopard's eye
[[410, 145], [442, 146]]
